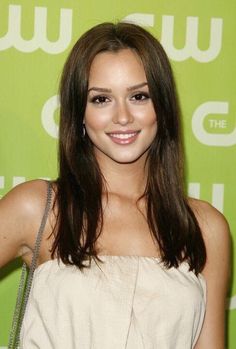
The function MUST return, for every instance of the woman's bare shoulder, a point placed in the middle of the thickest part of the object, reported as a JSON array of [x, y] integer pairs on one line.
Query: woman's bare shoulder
[[216, 234], [25, 200], [210, 220]]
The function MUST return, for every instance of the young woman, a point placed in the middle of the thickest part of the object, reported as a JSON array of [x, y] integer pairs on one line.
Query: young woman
[[126, 259]]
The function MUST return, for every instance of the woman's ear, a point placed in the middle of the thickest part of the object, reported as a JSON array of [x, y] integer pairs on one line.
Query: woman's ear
[[84, 130]]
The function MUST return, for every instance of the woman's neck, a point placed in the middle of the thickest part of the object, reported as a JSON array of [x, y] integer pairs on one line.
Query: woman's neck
[[125, 180]]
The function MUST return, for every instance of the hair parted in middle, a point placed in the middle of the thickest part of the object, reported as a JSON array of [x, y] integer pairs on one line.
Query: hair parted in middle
[[80, 183]]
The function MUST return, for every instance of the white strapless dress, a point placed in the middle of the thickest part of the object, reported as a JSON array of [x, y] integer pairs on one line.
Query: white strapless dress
[[127, 302]]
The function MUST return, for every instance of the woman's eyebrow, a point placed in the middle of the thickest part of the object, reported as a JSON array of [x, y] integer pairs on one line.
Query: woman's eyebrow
[[108, 90], [135, 87], [99, 89]]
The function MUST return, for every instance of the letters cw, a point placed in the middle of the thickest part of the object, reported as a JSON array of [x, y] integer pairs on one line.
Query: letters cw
[[13, 37], [191, 42]]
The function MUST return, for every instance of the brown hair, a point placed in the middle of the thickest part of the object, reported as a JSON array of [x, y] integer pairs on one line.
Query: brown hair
[[80, 181]]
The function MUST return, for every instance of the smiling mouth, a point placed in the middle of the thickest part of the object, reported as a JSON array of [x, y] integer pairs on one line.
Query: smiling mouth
[[123, 137]]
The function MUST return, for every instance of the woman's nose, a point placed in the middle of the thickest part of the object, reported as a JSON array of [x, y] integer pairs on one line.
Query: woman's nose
[[123, 115]]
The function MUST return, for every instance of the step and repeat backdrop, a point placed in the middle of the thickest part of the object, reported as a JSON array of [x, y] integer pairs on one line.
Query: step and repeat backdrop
[[199, 38]]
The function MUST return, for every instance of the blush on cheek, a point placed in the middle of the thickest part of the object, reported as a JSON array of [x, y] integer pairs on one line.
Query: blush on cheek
[[96, 121]]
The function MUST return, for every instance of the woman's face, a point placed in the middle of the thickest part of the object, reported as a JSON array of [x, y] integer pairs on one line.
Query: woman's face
[[119, 118]]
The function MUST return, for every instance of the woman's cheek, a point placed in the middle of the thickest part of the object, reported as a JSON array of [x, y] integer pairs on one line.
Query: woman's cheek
[[98, 119]]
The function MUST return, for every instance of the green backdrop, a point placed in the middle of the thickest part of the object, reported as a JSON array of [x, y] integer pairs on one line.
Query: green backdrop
[[199, 37]]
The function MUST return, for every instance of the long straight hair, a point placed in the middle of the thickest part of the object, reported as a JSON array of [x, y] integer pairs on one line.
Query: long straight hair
[[80, 182]]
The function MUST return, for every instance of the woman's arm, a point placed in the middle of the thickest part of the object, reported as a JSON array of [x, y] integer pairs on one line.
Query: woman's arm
[[20, 215], [216, 235]]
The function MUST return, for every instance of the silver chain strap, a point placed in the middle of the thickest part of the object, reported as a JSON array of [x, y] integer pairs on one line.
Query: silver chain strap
[[26, 280]]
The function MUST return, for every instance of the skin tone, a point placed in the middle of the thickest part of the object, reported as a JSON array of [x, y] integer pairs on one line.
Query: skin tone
[[121, 122]]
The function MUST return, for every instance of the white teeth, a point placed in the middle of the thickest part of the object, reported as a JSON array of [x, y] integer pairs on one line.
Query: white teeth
[[122, 135]]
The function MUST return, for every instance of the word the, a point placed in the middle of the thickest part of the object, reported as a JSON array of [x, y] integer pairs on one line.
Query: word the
[[207, 138], [217, 123]]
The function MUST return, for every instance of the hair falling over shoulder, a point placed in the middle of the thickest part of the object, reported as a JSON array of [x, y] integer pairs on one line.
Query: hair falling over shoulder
[[80, 182]]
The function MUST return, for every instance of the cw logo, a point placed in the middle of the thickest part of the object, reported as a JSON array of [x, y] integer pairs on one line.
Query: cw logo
[[13, 37], [205, 109], [191, 44]]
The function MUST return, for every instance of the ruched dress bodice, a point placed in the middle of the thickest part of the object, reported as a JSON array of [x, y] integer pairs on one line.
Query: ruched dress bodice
[[126, 302]]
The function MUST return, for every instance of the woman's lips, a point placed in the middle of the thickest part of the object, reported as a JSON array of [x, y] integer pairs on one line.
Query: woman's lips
[[127, 137]]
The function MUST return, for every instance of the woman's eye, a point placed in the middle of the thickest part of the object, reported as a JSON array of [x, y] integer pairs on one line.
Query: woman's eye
[[140, 96], [99, 99]]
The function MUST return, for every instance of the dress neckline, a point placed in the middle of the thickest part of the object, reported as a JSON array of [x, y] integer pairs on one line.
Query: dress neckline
[[112, 256], [108, 256], [157, 260]]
